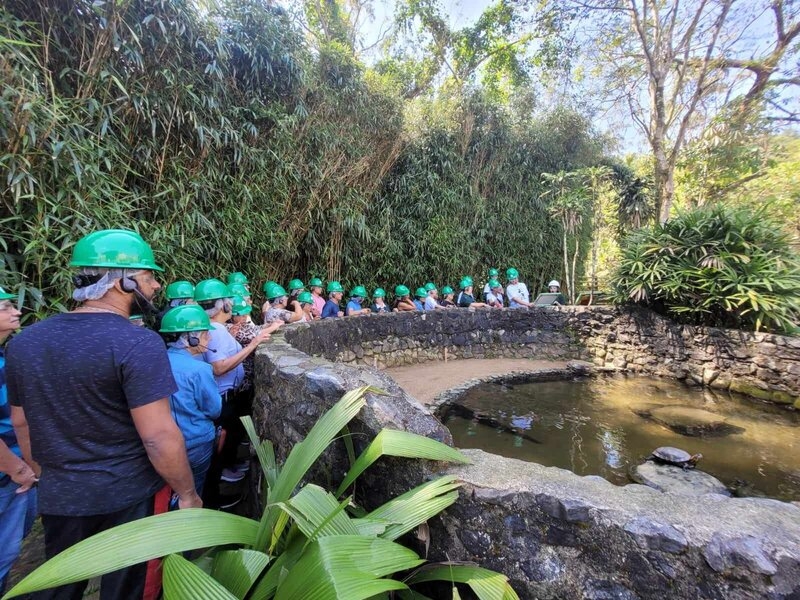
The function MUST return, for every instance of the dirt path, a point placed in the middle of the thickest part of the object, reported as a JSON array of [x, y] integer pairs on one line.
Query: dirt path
[[427, 380]]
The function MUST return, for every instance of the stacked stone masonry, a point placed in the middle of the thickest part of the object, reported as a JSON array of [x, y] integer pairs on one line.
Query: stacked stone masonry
[[555, 534]]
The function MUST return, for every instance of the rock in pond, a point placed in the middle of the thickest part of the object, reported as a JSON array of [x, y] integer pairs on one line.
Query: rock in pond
[[667, 478], [688, 420], [644, 409]]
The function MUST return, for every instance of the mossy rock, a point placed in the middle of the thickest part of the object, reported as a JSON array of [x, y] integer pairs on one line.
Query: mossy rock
[[743, 387], [783, 398]]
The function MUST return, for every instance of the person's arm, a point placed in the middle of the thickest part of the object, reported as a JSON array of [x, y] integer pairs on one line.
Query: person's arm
[[20, 471], [166, 449], [224, 365], [296, 314], [22, 432]]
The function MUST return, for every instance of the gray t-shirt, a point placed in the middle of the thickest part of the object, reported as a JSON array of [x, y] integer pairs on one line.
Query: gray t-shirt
[[77, 376], [517, 290]]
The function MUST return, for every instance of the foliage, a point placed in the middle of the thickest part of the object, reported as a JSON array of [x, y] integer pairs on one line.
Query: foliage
[[231, 145], [717, 266], [306, 544]]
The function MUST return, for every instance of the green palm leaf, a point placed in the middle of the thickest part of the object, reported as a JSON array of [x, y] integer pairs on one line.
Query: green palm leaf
[[486, 584], [185, 581], [416, 506], [238, 570], [137, 542], [304, 454], [391, 442], [349, 567]]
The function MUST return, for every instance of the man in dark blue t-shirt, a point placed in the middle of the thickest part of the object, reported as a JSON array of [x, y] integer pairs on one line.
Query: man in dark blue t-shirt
[[93, 392], [331, 309]]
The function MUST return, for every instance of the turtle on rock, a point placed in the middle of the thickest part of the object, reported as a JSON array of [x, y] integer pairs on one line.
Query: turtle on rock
[[675, 456]]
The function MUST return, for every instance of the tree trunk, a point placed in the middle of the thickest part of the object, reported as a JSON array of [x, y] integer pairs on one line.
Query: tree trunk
[[566, 252], [574, 262]]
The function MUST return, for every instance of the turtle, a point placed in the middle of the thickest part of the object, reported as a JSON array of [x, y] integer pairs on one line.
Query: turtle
[[675, 456]]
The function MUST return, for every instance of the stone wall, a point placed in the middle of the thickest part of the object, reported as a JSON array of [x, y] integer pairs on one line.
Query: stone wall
[[555, 534], [766, 366]]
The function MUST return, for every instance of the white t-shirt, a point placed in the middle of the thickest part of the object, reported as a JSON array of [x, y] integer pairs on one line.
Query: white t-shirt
[[517, 290], [226, 346], [430, 303]]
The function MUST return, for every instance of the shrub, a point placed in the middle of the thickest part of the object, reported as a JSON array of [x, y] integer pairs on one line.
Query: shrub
[[717, 266]]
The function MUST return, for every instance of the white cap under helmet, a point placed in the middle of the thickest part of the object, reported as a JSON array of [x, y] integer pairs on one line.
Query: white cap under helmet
[[554, 283]]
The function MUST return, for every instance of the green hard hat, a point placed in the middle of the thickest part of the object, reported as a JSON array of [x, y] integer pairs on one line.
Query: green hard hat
[[401, 290], [494, 283], [114, 249], [493, 273], [179, 290], [4, 295], [238, 289], [240, 306], [267, 285], [464, 283], [420, 293], [512, 273], [305, 298], [379, 293], [237, 277], [188, 317], [315, 282], [210, 289], [335, 286], [447, 290], [296, 284], [430, 286], [467, 278], [275, 291], [358, 292]]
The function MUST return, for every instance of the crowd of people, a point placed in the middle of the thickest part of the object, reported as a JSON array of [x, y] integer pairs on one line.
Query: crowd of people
[[104, 420]]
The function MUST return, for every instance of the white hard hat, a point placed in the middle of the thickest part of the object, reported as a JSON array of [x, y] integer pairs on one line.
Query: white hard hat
[[554, 283]]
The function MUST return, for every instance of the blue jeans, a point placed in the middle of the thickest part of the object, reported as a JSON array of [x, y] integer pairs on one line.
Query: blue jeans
[[199, 461], [17, 514]]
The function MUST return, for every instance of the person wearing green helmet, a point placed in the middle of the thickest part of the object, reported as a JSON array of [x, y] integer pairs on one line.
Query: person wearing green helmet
[[241, 291], [306, 302], [331, 309], [431, 301], [89, 394], [465, 297], [491, 274], [495, 298], [277, 312], [239, 278], [266, 287], [315, 284], [178, 293], [17, 477], [197, 402], [447, 297], [419, 297], [516, 291], [379, 301], [402, 300], [354, 307], [296, 287]]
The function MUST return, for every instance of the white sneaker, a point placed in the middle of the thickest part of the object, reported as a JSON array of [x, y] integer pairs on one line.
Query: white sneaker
[[232, 475]]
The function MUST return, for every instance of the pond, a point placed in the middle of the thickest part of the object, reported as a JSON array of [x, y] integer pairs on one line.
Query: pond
[[607, 425]]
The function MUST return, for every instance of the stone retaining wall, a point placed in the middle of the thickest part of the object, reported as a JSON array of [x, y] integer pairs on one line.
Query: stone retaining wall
[[763, 365], [555, 534]]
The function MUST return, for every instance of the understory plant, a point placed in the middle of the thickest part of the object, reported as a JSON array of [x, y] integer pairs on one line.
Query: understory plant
[[717, 266], [308, 544]]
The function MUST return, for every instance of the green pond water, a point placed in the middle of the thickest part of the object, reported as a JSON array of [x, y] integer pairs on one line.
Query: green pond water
[[589, 426]]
